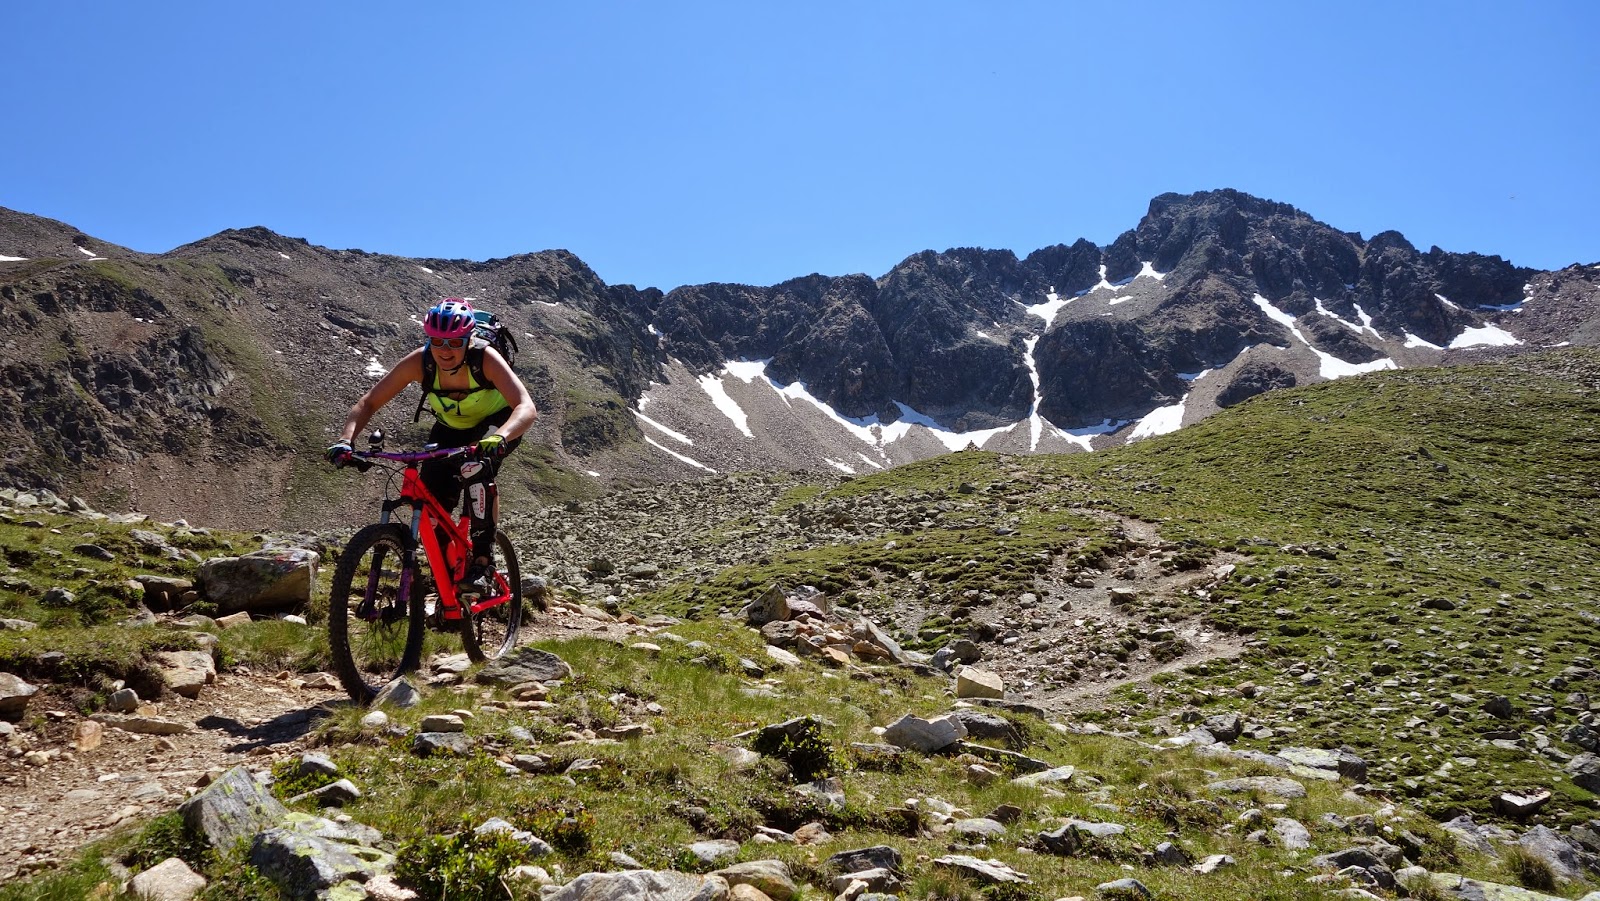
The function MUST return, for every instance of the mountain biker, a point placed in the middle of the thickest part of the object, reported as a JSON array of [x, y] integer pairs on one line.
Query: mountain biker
[[493, 416]]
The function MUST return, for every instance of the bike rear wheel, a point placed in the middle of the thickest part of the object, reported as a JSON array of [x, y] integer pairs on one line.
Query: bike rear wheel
[[493, 632], [375, 612]]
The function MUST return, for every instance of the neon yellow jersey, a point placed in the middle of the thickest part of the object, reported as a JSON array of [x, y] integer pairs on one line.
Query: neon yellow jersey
[[479, 404]]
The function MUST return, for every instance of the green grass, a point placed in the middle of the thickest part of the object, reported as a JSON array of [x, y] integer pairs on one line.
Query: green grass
[[1358, 509]]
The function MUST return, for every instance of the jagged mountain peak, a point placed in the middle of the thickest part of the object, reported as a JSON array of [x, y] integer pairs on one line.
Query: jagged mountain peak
[[1212, 298]]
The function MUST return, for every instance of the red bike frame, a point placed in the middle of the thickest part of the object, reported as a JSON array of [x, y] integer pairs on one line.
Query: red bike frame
[[427, 518]]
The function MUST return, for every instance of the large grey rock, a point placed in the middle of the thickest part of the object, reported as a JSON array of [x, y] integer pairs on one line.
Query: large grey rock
[[169, 880], [14, 695], [310, 854], [1345, 763], [1020, 763], [525, 664], [877, 857], [771, 877], [1454, 886], [1267, 785], [264, 580], [876, 880], [1481, 838], [1291, 834], [1554, 849], [633, 885], [962, 650], [1124, 888], [233, 808], [713, 851], [993, 872], [399, 693], [1054, 776], [917, 734]]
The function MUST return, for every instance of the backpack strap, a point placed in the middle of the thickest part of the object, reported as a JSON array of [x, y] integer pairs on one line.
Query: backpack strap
[[430, 373]]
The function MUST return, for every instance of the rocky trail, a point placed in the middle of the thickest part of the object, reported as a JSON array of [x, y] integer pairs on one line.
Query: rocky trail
[[71, 778], [83, 777]]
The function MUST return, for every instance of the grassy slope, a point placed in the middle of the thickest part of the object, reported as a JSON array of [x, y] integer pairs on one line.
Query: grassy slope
[[1354, 503]]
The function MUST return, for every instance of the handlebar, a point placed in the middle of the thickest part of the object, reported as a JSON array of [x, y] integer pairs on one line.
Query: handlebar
[[364, 460]]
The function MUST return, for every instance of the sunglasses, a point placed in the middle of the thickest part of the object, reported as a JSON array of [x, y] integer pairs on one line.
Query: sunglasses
[[448, 342]]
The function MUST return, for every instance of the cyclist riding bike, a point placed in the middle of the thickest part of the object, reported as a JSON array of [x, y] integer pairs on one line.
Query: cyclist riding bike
[[475, 398]]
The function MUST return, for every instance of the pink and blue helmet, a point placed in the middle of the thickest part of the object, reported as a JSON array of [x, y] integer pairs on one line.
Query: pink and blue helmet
[[449, 318]]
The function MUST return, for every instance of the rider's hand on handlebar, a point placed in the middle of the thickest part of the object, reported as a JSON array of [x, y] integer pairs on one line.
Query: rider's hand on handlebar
[[491, 447], [339, 454]]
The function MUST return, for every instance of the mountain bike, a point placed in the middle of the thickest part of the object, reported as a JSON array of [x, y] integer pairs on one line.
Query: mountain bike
[[385, 595]]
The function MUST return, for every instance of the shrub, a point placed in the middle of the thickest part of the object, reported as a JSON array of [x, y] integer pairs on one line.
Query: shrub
[[463, 866]]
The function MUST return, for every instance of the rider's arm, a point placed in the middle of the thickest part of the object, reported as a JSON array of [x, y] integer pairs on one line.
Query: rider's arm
[[516, 394], [394, 381]]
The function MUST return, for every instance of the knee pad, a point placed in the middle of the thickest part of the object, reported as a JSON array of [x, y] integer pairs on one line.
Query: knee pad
[[478, 500]]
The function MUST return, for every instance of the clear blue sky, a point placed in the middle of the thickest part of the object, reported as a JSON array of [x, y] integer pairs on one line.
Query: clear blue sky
[[675, 143]]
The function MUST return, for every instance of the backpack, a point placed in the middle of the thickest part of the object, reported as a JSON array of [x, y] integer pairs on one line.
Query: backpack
[[488, 332]]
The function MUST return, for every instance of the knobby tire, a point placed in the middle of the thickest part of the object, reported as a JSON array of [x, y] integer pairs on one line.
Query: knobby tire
[[369, 654], [489, 634]]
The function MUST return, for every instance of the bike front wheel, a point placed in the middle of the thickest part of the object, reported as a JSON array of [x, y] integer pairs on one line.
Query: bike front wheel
[[375, 616], [492, 632]]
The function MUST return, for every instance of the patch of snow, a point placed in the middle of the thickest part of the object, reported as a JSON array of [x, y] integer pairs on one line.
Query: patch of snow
[[1504, 307], [548, 303], [1486, 336], [527, 334], [86, 252], [1447, 301], [653, 330], [1048, 310], [842, 467], [953, 440], [983, 334], [1332, 367], [423, 268], [1366, 321], [746, 371], [1159, 421], [284, 255], [869, 461], [672, 453], [1335, 368], [6, 259], [1193, 377], [374, 368], [661, 428], [1414, 341], [712, 385], [1281, 317], [1148, 270], [590, 472]]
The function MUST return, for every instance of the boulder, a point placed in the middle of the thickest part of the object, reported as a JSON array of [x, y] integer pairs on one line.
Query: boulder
[[525, 664], [233, 808], [657, 885], [972, 682], [1267, 785], [877, 857], [770, 876], [990, 872], [187, 672], [309, 854], [264, 580], [14, 695], [917, 734]]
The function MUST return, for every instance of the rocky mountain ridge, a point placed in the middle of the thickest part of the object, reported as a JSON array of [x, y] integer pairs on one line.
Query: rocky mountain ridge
[[210, 375]]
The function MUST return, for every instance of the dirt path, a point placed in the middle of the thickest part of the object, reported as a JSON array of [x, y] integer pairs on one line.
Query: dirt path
[[54, 798], [1075, 625]]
